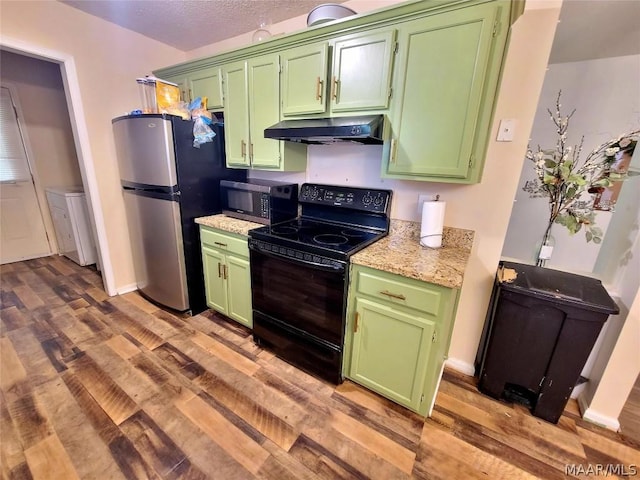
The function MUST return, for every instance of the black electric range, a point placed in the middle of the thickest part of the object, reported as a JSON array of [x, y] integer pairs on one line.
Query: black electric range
[[299, 273]]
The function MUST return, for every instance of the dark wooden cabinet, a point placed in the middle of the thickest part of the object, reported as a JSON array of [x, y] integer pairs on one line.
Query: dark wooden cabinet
[[540, 329]]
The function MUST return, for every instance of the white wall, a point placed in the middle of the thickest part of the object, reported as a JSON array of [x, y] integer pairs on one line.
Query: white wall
[[606, 96], [46, 117]]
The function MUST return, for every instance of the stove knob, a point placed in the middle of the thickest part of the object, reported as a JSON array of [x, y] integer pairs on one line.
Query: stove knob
[[314, 192], [367, 199], [378, 201]]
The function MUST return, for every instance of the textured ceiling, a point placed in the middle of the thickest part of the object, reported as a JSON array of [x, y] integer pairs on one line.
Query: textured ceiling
[[190, 24], [588, 29]]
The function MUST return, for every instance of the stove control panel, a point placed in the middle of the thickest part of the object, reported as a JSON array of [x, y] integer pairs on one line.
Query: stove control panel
[[367, 199]]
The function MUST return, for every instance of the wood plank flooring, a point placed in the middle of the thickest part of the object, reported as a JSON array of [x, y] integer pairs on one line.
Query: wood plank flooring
[[98, 387]]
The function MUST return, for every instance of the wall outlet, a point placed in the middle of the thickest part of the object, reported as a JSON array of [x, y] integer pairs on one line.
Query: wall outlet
[[506, 130]]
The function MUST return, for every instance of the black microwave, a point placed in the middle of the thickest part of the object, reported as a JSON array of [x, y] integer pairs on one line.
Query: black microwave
[[260, 201]]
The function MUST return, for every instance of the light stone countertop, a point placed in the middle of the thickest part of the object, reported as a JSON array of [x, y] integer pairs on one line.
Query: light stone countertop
[[228, 224], [400, 252]]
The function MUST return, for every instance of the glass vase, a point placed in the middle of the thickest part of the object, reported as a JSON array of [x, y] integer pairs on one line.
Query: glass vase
[[544, 248]]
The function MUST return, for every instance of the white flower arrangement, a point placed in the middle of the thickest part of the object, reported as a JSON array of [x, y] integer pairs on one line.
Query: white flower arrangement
[[563, 180]]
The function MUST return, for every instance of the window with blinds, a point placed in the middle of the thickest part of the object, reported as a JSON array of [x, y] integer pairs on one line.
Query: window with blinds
[[13, 158]]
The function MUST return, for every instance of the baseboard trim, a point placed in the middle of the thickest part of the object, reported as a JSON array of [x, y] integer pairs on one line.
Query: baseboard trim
[[592, 416], [461, 366], [132, 287]]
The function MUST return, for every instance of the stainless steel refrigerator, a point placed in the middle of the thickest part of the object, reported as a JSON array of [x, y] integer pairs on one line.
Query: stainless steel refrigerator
[[166, 184]]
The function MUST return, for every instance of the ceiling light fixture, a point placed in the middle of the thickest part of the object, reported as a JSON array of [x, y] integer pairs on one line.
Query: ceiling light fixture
[[261, 34]]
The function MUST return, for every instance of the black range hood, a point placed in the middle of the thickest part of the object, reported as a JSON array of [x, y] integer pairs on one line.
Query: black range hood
[[322, 131]]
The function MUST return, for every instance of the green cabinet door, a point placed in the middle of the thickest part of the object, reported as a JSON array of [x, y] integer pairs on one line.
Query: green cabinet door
[[361, 74], [238, 278], [304, 74], [183, 86], [207, 83], [236, 115], [264, 110], [443, 65], [214, 283], [390, 352], [227, 277]]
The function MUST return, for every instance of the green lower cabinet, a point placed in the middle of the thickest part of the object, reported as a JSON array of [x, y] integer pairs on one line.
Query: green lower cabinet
[[238, 285], [391, 352], [398, 333], [227, 278], [215, 286]]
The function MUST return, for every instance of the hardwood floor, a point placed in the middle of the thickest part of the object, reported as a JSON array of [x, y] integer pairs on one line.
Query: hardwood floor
[[99, 387]]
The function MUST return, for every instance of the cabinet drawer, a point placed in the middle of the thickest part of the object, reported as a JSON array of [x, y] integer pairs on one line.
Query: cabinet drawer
[[400, 291], [224, 241]]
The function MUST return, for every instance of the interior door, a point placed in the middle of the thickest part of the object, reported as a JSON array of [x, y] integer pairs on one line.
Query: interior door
[[22, 231]]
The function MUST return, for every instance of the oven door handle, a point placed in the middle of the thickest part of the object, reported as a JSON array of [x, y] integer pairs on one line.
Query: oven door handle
[[317, 266]]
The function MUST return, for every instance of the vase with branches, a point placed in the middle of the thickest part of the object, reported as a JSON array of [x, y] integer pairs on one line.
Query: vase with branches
[[566, 181]]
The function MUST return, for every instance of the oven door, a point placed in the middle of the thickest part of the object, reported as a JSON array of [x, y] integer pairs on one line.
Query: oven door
[[306, 295], [298, 311]]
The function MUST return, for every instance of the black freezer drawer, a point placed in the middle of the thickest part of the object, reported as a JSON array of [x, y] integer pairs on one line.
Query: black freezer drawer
[[539, 331]]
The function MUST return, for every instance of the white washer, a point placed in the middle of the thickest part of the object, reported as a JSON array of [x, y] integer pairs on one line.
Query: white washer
[[68, 206]]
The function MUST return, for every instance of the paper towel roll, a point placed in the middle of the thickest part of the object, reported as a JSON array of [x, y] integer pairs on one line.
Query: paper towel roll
[[432, 224]]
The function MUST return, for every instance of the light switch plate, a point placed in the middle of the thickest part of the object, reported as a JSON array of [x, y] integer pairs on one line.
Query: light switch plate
[[506, 130]]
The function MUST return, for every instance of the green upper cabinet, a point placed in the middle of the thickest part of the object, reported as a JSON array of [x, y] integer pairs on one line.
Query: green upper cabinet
[[359, 78], [236, 114], [206, 82], [432, 67], [448, 71], [252, 103], [304, 75], [264, 111]]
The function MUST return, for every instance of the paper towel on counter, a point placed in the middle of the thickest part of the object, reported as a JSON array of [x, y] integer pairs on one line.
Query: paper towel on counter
[[432, 224]]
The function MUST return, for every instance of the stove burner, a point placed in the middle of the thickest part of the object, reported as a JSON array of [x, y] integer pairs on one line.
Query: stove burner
[[284, 230], [330, 239]]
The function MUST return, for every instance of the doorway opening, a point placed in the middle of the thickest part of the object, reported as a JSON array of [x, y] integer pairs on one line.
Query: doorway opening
[[80, 140]]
